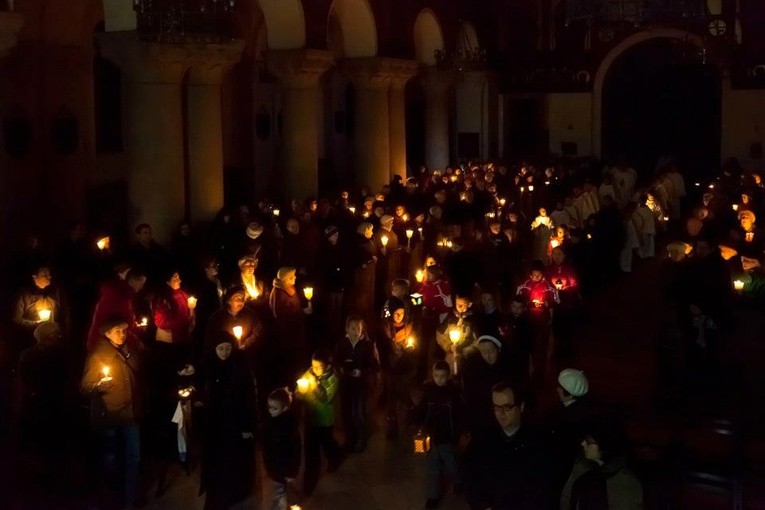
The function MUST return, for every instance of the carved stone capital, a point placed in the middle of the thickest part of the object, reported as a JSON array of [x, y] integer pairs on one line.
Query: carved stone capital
[[299, 69]]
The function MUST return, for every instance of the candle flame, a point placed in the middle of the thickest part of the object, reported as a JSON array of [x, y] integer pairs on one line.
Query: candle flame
[[409, 233], [419, 275], [384, 240], [308, 293], [103, 243], [454, 335], [237, 331]]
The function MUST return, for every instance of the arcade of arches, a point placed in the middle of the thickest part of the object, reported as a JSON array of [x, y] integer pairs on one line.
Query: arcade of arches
[[98, 125]]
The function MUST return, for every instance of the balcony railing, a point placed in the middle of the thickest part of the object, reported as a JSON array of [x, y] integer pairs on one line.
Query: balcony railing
[[182, 21], [636, 12]]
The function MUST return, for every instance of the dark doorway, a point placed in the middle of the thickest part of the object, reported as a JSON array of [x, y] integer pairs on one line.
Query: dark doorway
[[524, 132], [415, 126], [661, 98]]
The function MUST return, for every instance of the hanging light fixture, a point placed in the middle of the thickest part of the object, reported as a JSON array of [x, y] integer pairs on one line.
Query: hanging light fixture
[[469, 56]]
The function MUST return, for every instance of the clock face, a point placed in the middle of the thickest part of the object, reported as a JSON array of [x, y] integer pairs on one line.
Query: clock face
[[717, 27]]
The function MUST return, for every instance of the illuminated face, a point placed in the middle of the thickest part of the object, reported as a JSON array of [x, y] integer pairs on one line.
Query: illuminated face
[[560, 232], [430, 261], [506, 411], [118, 334], [440, 377], [536, 275], [317, 367], [516, 308], [289, 280], [398, 316], [368, 233], [275, 408], [175, 281], [727, 253], [223, 350], [542, 211], [248, 268], [43, 278], [400, 210], [355, 330], [236, 302], [293, 227], [746, 223], [461, 305], [495, 228]]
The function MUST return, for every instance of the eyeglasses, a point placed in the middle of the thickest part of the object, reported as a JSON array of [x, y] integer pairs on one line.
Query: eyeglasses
[[505, 408]]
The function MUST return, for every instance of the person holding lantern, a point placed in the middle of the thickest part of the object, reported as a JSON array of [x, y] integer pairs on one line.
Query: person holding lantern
[[456, 335], [318, 388], [255, 287], [399, 361], [440, 414], [111, 381], [40, 302], [542, 298]]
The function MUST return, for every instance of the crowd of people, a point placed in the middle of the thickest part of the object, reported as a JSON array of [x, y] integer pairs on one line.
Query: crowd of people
[[243, 343]]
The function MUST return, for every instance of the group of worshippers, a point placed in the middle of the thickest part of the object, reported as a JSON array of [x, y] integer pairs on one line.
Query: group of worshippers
[[251, 337]]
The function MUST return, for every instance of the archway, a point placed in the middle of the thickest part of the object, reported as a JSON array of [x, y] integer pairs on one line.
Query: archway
[[428, 37], [659, 99], [351, 29], [285, 22]]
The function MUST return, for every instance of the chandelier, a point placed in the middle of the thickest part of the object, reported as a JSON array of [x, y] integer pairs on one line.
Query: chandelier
[[468, 56], [185, 21]]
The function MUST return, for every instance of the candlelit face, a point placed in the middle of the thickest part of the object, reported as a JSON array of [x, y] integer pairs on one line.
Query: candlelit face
[[236, 302], [290, 279], [398, 316], [249, 266], [317, 367], [118, 334], [746, 223], [400, 211], [495, 228], [430, 261], [175, 281], [368, 233], [461, 305], [355, 330], [507, 411], [42, 278], [293, 227], [440, 377], [223, 350], [536, 275]]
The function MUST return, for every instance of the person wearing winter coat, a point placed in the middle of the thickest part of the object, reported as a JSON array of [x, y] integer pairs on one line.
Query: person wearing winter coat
[[234, 320], [399, 361], [117, 298], [288, 313], [281, 445]]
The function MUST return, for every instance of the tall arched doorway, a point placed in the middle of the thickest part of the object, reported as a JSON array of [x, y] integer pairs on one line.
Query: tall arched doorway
[[660, 98]]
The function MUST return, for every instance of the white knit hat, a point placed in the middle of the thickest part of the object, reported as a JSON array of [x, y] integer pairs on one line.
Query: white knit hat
[[574, 382]]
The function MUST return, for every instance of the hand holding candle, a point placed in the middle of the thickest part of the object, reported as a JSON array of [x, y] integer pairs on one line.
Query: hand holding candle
[[106, 372], [144, 322]]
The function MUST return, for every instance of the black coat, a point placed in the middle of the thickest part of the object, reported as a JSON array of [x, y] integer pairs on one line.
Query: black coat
[[282, 446]]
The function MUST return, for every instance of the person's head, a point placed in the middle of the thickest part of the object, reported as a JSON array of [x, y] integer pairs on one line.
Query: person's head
[[433, 273], [332, 234], [604, 441], [287, 276], [365, 229], [224, 349], [517, 306], [399, 211], [279, 401], [678, 250], [136, 278], [321, 362], [495, 227], [537, 272], [114, 328], [143, 233], [235, 298], [248, 265], [727, 251], [354, 327], [440, 372], [293, 227], [42, 277], [558, 255], [746, 219], [561, 231], [430, 261], [487, 302], [507, 404], [399, 288], [174, 280], [211, 268], [572, 384], [489, 348], [462, 304]]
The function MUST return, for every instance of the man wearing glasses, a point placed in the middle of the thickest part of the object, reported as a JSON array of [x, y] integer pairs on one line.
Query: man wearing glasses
[[508, 468]]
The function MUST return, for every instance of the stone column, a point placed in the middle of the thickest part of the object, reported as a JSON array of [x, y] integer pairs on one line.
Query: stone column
[[401, 72], [298, 72], [371, 140], [472, 106], [437, 86], [205, 129], [153, 128]]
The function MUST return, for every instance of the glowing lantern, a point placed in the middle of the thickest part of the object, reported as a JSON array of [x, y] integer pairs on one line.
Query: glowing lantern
[[454, 335], [419, 275], [531, 188], [276, 212], [421, 443], [738, 285], [735, 207], [352, 209], [44, 314], [554, 243], [303, 384], [384, 241], [409, 233]]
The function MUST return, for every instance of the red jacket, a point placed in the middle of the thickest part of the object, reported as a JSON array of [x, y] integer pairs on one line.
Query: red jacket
[[437, 297], [171, 313]]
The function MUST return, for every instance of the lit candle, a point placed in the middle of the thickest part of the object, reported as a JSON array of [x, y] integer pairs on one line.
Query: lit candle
[[106, 373], [547, 183], [184, 392], [302, 384], [237, 331], [738, 285], [735, 207], [523, 188], [276, 212], [711, 186], [405, 217], [454, 335], [295, 507], [531, 188], [103, 243], [409, 233], [502, 202], [589, 236], [559, 284], [384, 241], [419, 275], [410, 342], [144, 322], [454, 178], [698, 184], [366, 214], [554, 243], [352, 209], [192, 302], [449, 243], [44, 314], [308, 293], [665, 218]]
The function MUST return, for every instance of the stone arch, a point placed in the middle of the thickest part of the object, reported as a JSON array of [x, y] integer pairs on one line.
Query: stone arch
[[352, 24], [285, 23], [611, 57], [428, 37]]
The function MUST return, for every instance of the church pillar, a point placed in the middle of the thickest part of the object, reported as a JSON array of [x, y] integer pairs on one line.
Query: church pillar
[[153, 128], [401, 72], [472, 113], [205, 130], [371, 140], [298, 72], [436, 84]]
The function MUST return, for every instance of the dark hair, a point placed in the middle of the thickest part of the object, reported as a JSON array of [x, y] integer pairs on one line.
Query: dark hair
[[505, 385], [135, 274], [141, 227], [323, 356], [441, 366], [281, 395], [537, 265], [608, 433], [234, 289]]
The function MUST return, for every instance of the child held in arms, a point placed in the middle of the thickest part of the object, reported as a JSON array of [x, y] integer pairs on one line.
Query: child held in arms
[[318, 388], [440, 416], [281, 445]]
